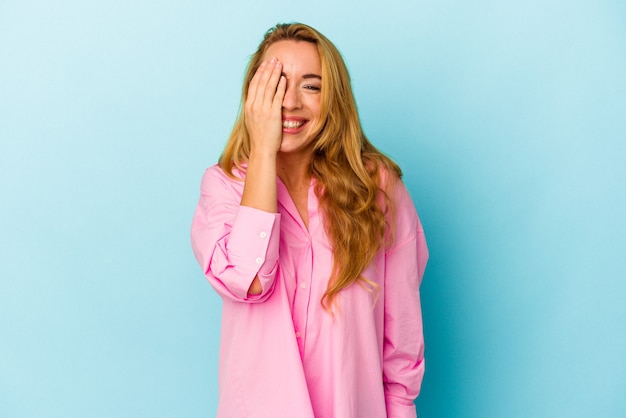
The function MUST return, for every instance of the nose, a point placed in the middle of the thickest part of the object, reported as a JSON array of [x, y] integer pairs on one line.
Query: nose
[[291, 101]]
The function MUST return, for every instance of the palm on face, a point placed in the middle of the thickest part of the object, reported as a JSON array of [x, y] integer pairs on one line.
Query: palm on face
[[263, 107]]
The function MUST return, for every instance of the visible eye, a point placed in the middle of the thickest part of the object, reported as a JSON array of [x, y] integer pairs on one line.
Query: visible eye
[[311, 87]]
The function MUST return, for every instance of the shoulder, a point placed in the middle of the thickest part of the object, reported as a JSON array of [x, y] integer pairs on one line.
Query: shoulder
[[404, 208], [391, 185], [402, 217], [384, 171], [216, 181], [216, 172]]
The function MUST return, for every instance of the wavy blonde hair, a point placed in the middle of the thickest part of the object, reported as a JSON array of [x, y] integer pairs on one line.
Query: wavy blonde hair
[[348, 169]]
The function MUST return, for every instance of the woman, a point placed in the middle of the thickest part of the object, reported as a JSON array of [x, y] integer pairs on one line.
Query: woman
[[307, 233]]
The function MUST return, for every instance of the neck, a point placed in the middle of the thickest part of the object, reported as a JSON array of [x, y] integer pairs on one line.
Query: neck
[[294, 170]]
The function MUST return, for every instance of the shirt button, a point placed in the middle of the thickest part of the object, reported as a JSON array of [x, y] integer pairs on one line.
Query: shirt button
[[298, 335], [303, 285], [263, 235], [259, 260]]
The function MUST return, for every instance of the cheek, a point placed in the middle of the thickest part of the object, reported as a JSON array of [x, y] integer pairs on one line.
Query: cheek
[[315, 108]]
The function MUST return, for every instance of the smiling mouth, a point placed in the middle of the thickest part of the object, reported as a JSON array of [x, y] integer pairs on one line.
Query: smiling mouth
[[293, 124]]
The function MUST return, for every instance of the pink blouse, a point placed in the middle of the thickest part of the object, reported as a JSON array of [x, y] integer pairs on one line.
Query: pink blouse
[[281, 353]]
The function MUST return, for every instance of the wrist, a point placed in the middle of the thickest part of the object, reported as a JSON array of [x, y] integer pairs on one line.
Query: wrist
[[262, 154]]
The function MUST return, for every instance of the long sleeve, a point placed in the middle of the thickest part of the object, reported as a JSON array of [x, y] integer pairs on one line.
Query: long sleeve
[[233, 244], [403, 346]]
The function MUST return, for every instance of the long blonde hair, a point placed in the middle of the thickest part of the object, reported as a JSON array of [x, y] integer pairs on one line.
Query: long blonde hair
[[348, 168]]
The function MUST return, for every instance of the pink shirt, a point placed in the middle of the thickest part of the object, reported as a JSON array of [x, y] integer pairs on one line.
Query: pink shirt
[[281, 353]]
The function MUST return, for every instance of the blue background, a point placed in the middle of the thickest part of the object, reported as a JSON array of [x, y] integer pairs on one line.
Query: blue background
[[509, 120]]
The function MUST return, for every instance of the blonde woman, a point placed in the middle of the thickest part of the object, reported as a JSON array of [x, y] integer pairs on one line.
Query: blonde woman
[[309, 236]]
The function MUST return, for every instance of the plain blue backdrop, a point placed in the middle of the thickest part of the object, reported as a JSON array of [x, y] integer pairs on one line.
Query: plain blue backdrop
[[508, 119]]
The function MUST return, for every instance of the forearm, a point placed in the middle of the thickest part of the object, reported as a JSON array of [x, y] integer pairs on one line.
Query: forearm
[[259, 191], [263, 122]]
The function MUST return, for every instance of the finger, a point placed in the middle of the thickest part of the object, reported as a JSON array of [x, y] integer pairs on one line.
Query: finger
[[280, 93], [263, 79], [272, 82], [253, 88]]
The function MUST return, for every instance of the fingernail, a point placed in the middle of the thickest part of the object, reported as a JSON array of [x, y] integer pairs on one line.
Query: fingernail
[[273, 60]]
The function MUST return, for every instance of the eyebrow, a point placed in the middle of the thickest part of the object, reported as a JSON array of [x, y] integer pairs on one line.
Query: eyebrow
[[306, 76]]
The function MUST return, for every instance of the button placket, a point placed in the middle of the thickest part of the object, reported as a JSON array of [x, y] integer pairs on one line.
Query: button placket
[[303, 293]]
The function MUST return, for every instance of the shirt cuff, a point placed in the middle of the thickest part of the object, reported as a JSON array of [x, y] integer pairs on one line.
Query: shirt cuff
[[399, 408], [253, 243]]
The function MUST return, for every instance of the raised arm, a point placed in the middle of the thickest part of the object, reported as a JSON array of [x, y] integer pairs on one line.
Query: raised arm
[[235, 233], [263, 113]]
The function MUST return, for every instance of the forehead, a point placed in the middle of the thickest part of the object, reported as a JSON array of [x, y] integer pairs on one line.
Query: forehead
[[296, 55]]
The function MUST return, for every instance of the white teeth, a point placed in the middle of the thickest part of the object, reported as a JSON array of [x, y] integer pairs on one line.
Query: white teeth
[[291, 124]]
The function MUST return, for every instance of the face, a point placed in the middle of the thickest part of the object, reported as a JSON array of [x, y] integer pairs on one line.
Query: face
[[302, 101]]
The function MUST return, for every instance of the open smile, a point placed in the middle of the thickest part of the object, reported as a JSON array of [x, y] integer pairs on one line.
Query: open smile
[[293, 125]]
